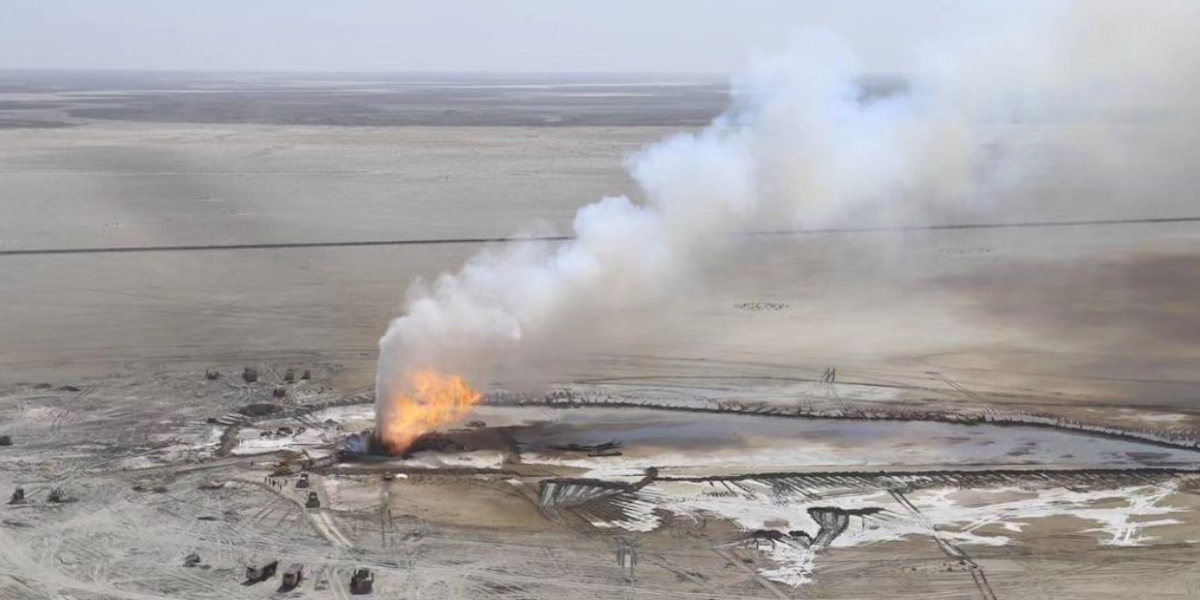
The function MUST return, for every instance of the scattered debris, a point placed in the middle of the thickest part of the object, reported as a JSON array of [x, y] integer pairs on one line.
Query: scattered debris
[[18, 496], [211, 374], [356, 444], [293, 575], [476, 424], [609, 448], [362, 581], [255, 574], [191, 560], [250, 374], [760, 306], [284, 430]]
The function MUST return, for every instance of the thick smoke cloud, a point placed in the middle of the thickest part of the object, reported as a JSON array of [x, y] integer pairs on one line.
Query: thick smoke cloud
[[1108, 87]]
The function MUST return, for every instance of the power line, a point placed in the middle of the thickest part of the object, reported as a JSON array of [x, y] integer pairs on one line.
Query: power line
[[561, 238]]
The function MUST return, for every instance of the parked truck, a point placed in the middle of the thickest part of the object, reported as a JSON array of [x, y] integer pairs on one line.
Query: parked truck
[[293, 575], [255, 574]]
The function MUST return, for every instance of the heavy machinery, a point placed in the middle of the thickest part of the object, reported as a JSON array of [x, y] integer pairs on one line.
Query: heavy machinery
[[293, 575], [362, 582], [18, 496], [313, 501], [255, 574], [284, 468]]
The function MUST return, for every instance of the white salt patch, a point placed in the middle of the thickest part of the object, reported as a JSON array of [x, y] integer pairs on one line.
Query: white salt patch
[[250, 441], [488, 459], [942, 514]]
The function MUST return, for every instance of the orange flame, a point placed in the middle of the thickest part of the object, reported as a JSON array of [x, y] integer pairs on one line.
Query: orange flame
[[434, 399]]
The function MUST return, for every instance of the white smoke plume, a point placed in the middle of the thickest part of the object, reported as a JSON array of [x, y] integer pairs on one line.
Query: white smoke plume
[[803, 146]]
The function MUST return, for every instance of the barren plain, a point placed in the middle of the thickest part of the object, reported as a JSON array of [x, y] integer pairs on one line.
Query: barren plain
[[1013, 413]]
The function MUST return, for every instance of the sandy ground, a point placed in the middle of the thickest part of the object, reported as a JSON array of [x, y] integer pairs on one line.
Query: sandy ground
[[102, 359], [148, 480]]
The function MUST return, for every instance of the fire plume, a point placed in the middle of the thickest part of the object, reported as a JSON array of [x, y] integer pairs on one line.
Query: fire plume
[[430, 399]]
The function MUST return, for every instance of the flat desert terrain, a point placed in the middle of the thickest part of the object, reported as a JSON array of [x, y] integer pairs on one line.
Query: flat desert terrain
[[1013, 414]]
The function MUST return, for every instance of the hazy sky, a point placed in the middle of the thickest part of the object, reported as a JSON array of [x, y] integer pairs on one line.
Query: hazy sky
[[447, 35]]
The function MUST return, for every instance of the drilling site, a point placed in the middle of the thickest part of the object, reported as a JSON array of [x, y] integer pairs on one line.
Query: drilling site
[[802, 332]]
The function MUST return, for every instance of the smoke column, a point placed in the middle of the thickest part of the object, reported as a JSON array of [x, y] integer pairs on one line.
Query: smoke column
[[804, 146]]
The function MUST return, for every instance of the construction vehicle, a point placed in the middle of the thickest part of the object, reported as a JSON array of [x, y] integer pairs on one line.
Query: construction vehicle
[[255, 574], [57, 495], [362, 582], [284, 468], [302, 483], [293, 575], [5, 440], [313, 501], [250, 374], [191, 560], [18, 496]]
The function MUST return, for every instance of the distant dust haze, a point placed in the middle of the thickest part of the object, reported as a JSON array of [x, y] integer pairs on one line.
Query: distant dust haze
[[802, 146]]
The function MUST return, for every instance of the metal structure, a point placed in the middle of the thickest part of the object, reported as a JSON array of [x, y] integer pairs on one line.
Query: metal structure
[[255, 574], [293, 575], [362, 582]]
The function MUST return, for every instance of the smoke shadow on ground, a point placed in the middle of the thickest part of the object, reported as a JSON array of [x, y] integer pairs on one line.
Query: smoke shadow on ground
[[1115, 317]]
